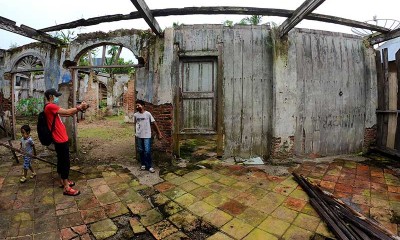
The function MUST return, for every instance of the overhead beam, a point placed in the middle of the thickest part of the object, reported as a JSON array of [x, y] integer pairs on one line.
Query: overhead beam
[[375, 39], [299, 14], [215, 11], [144, 10], [9, 25]]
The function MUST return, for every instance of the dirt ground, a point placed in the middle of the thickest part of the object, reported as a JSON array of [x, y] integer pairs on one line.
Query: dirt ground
[[110, 140]]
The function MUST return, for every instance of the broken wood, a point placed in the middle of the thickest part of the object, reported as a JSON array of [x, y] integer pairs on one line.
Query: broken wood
[[375, 39], [299, 14], [146, 14], [33, 156], [12, 151], [359, 226], [29, 32], [216, 11]]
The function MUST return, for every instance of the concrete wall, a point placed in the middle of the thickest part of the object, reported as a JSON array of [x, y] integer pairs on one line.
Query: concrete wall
[[314, 94], [247, 82], [324, 94]]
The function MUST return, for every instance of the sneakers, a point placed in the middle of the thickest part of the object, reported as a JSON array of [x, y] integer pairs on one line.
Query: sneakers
[[152, 170], [71, 192], [22, 179], [143, 167], [33, 175]]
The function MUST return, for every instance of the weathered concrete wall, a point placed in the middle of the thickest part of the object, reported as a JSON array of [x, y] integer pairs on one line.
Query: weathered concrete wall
[[324, 94], [315, 95], [247, 82], [49, 56]]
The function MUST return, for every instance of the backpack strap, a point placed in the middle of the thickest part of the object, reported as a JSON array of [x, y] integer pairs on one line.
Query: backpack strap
[[54, 120]]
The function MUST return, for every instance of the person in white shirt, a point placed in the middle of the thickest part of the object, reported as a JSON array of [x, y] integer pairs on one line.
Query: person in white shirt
[[144, 121]]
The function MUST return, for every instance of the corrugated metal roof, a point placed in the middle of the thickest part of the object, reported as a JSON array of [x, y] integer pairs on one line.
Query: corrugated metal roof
[[393, 46]]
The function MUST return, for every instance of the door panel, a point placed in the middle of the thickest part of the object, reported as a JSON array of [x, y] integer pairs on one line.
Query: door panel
[[198, 105]]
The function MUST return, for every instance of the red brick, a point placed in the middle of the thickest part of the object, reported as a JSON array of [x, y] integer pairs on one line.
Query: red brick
[[362, 184], [67, 234], [327, 185], [330, 178], [345, 188]]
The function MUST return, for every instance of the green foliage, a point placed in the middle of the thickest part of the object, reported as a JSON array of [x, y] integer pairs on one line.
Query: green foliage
[[30, 106], [67, 37], [103, 103], [228, 23], [176, 25], [252, 20]]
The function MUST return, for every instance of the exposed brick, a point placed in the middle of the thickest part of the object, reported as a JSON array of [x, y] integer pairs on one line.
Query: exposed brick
[[280, 150], [369, 138], [163, 116]]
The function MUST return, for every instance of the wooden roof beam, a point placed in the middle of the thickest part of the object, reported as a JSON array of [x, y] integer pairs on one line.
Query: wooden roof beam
[[142, 7], [375, 39], [29, 32], [299, 14], [215, 11]]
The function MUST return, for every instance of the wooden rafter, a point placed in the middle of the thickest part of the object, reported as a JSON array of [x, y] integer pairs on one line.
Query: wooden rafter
[[215, 11], [142, 7], [299, 14], [375, 39], [29, 32]]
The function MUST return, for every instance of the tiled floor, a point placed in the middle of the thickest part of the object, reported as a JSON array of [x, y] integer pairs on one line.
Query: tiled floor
[[224, 202]]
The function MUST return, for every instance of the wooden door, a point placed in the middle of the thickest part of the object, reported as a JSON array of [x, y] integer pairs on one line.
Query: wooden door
[[198, 96]]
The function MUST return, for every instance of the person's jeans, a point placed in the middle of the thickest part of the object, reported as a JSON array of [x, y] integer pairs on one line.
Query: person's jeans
[[144, 148]]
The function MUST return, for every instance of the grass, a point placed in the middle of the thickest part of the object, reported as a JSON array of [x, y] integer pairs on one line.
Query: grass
[[108, 131]]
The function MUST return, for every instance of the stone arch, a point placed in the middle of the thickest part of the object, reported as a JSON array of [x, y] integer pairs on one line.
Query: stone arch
[[17, 59], [134, 40], [85, 50]]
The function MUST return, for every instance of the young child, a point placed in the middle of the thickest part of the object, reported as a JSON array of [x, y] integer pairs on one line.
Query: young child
[[143, 120], [27, 146]]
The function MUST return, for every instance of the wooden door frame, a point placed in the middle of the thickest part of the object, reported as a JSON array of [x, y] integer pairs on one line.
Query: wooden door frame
[[177, 136]]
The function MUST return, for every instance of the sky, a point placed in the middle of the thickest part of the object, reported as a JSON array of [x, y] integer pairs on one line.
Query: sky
[[45, 13]]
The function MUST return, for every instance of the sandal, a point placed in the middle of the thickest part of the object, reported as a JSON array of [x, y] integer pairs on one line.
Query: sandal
[[33, 175], [22, 179], [71, 192], [70, 183]]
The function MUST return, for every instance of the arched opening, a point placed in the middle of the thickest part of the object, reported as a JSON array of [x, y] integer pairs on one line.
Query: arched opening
[[102, 76], [103, 86], [27, 85]]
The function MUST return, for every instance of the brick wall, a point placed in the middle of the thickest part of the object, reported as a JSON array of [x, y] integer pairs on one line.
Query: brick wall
[[163, 116], [369, 138], [129, 101], [92, 97], [6, 107], [280, 150], [5, 102]]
